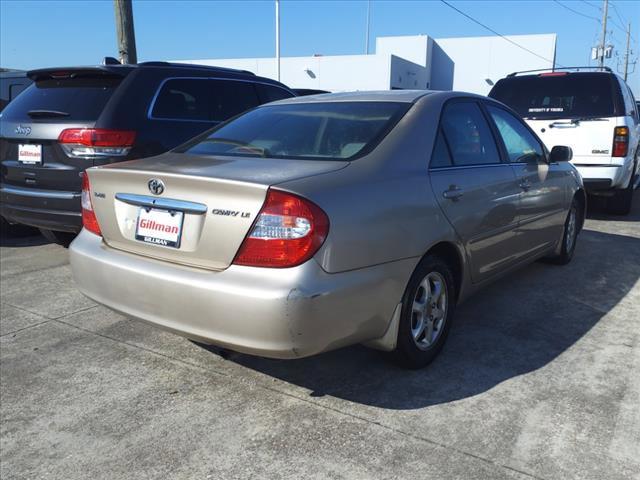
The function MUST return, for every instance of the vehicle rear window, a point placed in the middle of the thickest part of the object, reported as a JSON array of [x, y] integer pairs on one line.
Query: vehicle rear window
[[573, 95], [81, 99], [314, 131]]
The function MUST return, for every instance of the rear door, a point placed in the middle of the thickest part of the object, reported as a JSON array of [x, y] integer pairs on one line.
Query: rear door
[[31, 124], [578, 109], [477, 192], [541, 209]]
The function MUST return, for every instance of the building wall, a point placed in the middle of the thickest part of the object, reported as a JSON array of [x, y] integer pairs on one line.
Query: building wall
[[333, 73], [479, 58], [415, 62]]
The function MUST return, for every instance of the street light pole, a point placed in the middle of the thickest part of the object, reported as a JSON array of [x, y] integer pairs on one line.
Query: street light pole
[[366, 38], [124, 30], [278, 36]]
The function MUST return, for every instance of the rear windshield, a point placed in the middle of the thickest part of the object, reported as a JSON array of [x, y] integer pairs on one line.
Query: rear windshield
[[562, 96], [316, 131], [81, 99]]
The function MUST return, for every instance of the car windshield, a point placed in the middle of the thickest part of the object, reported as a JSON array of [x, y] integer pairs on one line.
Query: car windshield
[[307, 131], [576, 95]]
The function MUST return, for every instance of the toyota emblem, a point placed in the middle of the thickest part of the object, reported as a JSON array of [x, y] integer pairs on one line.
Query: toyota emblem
[[156, 186]]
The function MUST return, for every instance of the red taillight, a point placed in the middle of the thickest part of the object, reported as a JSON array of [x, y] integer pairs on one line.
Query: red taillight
[[96, 142], [620, 141], [288, 231], [97, 137], [553, 74], [89, 220]]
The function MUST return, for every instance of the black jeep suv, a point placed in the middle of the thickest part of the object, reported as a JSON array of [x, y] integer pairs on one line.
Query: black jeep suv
[[70, 119]]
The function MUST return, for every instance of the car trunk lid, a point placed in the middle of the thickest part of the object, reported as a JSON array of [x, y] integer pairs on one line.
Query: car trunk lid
[[203, 210]]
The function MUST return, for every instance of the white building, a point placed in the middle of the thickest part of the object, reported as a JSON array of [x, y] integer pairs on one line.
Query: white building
[[469, 64]]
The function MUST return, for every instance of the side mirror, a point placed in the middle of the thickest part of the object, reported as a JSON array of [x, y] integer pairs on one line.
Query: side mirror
[[560, 153]]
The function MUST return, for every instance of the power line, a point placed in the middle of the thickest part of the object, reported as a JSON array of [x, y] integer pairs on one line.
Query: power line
[[590, 4], [577, 12], [622, 21], [498, 34]]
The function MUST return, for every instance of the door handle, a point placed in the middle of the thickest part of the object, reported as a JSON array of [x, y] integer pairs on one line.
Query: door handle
[[454, 193], [525, 185]]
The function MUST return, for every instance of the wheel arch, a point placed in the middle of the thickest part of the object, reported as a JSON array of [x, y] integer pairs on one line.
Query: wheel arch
[[581, 198], [451, 254]]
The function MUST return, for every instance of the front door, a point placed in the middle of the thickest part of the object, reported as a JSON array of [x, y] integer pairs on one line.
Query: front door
[[542, 206]]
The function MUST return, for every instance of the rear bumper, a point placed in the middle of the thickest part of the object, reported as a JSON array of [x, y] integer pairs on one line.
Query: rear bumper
[[48, 209], [605, 177], [279, 313]]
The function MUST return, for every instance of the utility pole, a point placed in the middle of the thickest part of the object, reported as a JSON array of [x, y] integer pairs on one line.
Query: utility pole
[[626, 55], [278, 36], [125, 32], [605, 11], [366, 37]]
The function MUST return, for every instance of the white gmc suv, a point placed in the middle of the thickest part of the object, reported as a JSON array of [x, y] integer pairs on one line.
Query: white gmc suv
[[595, 113]]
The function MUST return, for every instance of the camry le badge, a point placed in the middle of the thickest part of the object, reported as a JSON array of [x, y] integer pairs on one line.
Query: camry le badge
[[156, 186], [22, 130]]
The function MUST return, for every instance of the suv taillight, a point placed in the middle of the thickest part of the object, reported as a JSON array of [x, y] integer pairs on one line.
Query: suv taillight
[[620, 141], [288, 231], [89, 220], [96, 142]]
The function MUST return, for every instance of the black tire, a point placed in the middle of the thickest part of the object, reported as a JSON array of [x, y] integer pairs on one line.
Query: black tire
[[570, 235], [620, 203], [61, 238], [408, 353]]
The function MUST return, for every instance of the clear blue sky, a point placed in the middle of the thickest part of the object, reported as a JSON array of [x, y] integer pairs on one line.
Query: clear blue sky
[[55, 33]]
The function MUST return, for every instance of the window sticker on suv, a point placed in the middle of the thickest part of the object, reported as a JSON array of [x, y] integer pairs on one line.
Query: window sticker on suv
[[546, 109]]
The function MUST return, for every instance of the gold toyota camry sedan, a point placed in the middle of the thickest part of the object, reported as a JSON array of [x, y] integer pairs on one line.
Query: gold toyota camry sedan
[[318, 222]]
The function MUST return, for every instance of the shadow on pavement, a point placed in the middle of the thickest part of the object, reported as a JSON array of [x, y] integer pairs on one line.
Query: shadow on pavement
[[516, 326], [30, 239], [597, 209]]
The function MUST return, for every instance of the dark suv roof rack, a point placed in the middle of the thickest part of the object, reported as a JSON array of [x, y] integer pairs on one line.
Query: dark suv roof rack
[[193, 65], [555, 69]]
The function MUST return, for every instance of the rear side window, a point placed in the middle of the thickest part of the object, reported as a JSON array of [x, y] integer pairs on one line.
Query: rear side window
[[572, 95], [81, 99], [229, 98], [441, 156], [520, 143], [183, 99], [306, 131], [468, 135], [270, 93], [203, 99]]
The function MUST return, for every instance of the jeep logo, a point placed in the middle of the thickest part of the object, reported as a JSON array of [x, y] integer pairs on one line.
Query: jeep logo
[[22, 130]]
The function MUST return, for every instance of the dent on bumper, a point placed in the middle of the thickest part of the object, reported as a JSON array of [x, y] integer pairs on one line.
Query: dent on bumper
[[280, 313]]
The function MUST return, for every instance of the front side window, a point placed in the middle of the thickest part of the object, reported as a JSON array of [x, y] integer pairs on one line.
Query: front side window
[[308, 131], [520, 143], [468, 135]]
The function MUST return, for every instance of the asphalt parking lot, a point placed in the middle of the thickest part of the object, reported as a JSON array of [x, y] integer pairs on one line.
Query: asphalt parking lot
[[539, 379]]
